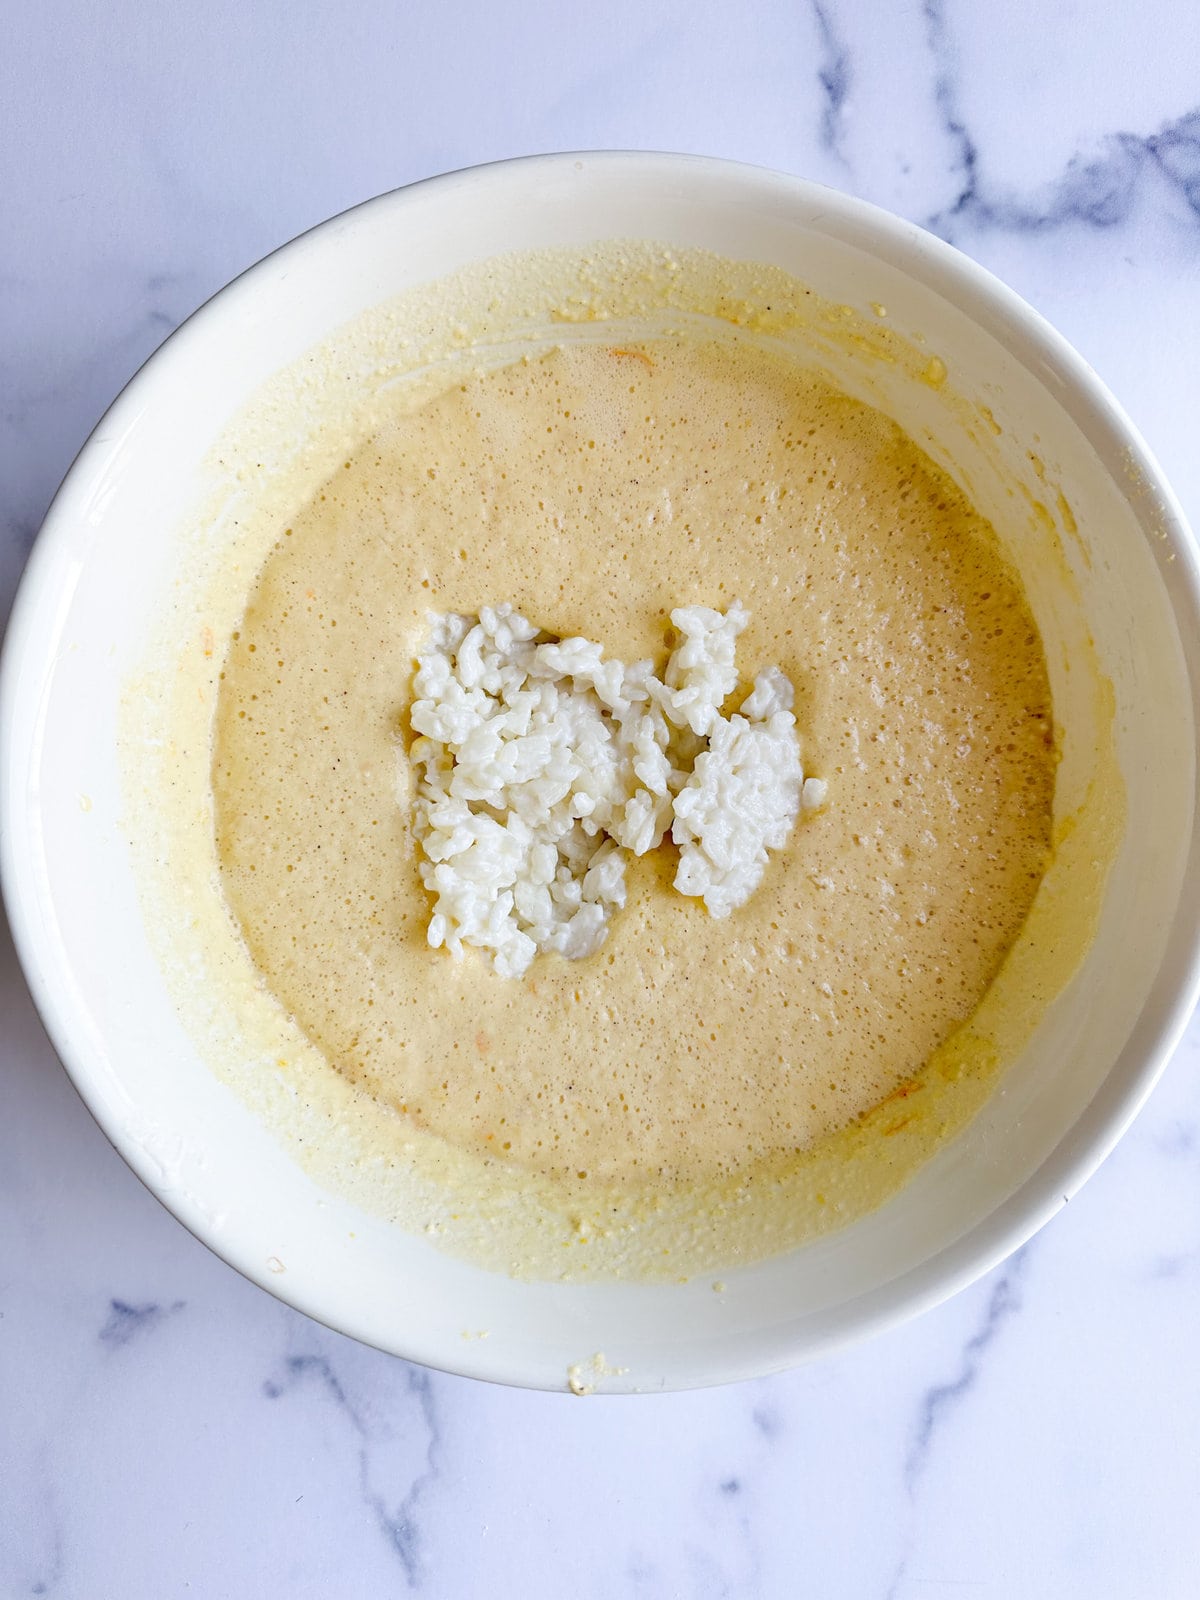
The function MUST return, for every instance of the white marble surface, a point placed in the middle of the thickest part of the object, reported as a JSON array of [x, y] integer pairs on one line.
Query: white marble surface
[[167, 1429]]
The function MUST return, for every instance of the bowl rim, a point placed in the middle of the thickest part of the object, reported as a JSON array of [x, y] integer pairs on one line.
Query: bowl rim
[[988, 301]]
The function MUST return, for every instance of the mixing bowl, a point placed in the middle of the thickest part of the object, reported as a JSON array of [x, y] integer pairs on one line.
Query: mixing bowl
[[1002, 403]]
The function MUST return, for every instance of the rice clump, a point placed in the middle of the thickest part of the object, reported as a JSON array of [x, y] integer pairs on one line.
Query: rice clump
[[542, 767]]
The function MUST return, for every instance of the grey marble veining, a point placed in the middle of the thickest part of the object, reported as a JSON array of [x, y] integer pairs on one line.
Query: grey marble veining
[[167, 1429], [1003, 1303], [835, 75]]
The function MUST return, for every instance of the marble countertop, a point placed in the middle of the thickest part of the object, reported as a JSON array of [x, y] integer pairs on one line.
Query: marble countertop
[[168, 1429]]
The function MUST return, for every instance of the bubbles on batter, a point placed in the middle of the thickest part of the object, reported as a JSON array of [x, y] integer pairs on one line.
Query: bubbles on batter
[[597, 488]]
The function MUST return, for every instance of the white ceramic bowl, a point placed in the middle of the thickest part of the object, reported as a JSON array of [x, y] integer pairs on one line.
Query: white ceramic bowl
[[90, 594]]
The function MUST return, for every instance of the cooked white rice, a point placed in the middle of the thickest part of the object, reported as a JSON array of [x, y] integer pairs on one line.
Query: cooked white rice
[[542, 767]]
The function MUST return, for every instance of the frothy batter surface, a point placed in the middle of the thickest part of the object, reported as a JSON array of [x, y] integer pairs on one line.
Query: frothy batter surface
[[597, 488]]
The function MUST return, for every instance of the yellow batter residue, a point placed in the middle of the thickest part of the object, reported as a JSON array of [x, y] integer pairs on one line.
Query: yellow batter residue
[[698, 1092]]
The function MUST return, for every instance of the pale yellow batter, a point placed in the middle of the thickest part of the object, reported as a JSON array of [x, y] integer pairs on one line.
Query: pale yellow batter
[[597, 488]]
